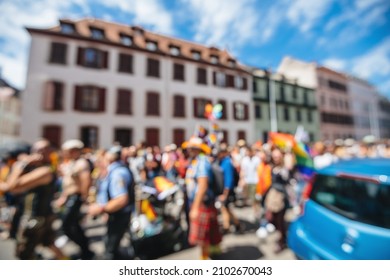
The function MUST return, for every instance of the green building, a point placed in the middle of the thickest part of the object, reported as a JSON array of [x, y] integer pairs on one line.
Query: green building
[[293, 104]]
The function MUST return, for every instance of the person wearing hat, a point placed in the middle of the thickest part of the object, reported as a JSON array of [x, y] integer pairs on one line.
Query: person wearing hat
[[204, 228], [115, 198]]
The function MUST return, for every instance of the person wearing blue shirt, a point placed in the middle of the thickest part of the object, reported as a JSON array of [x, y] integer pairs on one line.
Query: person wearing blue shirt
[[228, 195], [113, 199]]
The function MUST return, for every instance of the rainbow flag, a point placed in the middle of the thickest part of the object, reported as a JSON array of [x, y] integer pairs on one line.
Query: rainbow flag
[[148, 210], [161, 183], [304, 160], [282, 140]]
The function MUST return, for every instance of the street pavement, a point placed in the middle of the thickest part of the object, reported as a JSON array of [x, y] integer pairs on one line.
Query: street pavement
[[244, 246]]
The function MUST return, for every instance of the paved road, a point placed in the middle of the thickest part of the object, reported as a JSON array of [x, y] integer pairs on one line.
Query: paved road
[[246, 246]]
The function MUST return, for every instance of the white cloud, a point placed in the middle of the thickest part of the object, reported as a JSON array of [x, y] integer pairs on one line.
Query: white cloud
[[224, 23], [18, 14], [146, 12], [305, 14], [335, 63], [375, 62]]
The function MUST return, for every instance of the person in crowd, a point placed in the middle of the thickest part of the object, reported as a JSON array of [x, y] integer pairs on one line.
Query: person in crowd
[[204, 228], [34, 176], [322, 157], [249, 166], [228, 197], [168, 161], [116, 198], [76, 181], [276, 198]]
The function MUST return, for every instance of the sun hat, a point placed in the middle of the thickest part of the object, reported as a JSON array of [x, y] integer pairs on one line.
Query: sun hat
[[196, 143], [72, 144]]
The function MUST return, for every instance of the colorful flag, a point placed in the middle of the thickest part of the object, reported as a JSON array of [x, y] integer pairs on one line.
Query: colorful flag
[[304, 160], [161, 183], [148, 210], [282, 140]]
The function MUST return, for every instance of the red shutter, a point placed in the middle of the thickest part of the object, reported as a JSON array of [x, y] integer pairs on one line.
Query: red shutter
[[48, 96], [234, 111], [105, 59], [230, 81], [195, 100], [78, 91], [102, 99], [246, 112], [214, 77], [80, 56], [245, 83]]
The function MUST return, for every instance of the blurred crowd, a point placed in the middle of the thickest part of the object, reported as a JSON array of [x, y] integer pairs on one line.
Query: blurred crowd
[[40, 186]]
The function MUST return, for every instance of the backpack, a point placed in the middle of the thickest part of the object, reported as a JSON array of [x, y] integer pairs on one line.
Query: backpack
[[218, 183]]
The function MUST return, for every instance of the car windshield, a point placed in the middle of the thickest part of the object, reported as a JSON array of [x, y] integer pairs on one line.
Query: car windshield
[[356, 199]]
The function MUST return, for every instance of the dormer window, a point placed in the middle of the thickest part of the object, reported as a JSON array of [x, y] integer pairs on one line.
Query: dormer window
[[67, 28], [174, 50], [196, 55], [126, 40], [232, 63], [214, 59], [97, 33], [151, 46]]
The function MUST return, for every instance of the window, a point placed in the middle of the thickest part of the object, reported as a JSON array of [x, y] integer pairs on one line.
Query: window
[[97, 33], [93, 58], [282, 93], [305, 98], [225, 136], [178, 136], [323, 101], [356, 199], [258, 111], [196, 55], [309, 116], [53, 133], [286, 115], [240, 111], [124, 102], [153, 68], [151, 46], [238, 82], [254, 86], [178, 72], [58, 53], [294, 92], [125, 63], [232, 63], [241, 135], [152, 137], [202, 76], [179, 106], [224, 109], [67, 28], [298, 115], [89, 99], [219, 79], [152, 104], [214, 59], [173, 50], [126, 40], [123, 136], [53, 97], [337, 86], [89, 136], [199, 107]]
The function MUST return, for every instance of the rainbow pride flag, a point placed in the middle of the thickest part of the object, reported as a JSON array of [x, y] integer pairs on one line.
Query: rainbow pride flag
[[148, 210], [282, 140]]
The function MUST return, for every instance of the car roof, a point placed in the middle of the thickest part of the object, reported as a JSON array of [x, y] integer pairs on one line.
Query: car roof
[[374, 168]]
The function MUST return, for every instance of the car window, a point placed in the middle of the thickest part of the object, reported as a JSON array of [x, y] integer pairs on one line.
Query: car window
[[355, 199]]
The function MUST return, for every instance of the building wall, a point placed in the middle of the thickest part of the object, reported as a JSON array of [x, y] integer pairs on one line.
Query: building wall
[[9, 119], [40, 71]]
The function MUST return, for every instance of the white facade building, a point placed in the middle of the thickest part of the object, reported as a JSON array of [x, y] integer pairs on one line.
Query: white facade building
[[9, 113], [103, 82]]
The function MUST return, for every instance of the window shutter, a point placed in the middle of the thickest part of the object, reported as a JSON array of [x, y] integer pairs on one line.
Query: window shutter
[[214, 78], [48, 96], [80, 56], [230, 81], [77, 98], [102, 99], [196, 100], [234, 111], [246, 112], [244, 83], [105, 59]]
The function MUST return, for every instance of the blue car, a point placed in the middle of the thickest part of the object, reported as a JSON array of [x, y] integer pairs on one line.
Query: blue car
[[346, 213]]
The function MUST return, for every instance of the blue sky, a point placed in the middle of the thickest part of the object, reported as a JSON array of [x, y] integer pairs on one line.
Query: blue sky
[[346, 35]]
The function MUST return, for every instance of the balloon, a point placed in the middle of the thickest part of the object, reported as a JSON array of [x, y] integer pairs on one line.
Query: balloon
[[218, 108], [209, 108], [217, 115]]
